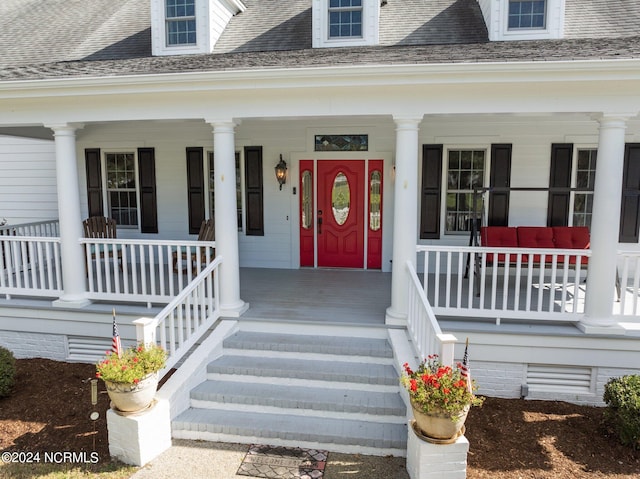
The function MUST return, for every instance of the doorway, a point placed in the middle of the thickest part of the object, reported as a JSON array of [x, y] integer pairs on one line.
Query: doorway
[[341, 213]]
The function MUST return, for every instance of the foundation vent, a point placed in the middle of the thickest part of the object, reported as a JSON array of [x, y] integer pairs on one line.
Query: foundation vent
[[87, 350], [566, 379]]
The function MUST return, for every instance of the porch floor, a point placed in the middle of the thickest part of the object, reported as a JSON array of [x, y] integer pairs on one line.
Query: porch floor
[[323, 295]]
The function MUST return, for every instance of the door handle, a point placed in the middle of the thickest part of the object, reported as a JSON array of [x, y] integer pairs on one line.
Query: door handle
[[319, 225]]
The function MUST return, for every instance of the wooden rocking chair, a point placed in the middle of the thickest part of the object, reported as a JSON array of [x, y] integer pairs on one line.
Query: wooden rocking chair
[[206, 233], [99, 227]]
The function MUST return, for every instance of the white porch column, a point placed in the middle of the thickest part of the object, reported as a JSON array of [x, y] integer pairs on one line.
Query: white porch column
[[405, 215], [73, 267], [224, 164], [605, 225]]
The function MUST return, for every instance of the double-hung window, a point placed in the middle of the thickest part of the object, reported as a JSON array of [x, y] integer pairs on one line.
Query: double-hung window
[[180, 22], [465, 171], [527, 14], [584, 180], [122, 193], [345, 18]]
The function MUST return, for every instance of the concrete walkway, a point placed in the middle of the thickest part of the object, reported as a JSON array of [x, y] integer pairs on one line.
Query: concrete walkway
[[216, 460]]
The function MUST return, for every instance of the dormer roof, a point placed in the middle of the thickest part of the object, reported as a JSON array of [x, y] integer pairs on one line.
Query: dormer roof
[[101, 37]]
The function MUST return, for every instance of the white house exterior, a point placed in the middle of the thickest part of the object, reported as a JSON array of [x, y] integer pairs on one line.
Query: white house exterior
[[152, 111]]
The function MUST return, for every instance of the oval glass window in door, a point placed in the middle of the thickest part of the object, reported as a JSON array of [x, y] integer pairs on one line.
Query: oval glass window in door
[[340, 198]]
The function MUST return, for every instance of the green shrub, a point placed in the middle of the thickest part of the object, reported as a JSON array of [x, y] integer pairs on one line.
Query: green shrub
[[7, 371], [622, 396]]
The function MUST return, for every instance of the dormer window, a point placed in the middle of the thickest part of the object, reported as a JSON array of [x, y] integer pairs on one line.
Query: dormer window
[[345, 18], [345, 23], [181, 22], [527, 14], [523, 19]]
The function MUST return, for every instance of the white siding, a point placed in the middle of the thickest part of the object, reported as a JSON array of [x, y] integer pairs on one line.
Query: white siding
[[27, 180]]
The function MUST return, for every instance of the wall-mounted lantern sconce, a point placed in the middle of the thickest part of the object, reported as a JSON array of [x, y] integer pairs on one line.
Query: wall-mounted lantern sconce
[[281, 172]]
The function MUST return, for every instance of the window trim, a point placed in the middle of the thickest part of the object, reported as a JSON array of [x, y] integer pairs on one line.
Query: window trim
[[445, 185], [186, 18], [106, 190], [574, 180], [351, 8], [528, 29], [370, 26]]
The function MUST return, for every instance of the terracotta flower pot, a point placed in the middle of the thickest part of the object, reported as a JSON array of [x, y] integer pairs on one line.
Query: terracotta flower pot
[[439, 427], [133, 397]]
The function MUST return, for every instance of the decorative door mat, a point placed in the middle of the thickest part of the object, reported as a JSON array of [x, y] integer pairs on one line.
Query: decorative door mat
[[278, 462]]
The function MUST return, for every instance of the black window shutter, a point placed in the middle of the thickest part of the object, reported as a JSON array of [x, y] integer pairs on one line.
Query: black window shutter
[[500, 176], [147, 179], [431, 191], [94, 181], [630, 207], [559, 177], [195, 188], [254, 190]]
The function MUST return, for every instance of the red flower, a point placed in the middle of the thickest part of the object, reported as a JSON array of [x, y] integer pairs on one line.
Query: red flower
[[446, 390], [414, 385], [407, 369], [136, 381], [124, 368], [135, 360], [97, 374]]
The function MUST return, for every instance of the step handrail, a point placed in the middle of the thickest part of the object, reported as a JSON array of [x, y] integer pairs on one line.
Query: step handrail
[[183, 321]]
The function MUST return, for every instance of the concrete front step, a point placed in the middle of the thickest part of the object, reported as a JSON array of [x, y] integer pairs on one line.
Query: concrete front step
[[339, 393], [342, 371], [301, 400], [339, 435], [297, 343]]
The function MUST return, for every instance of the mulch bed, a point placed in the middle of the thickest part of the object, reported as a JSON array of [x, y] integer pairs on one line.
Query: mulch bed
[[510, 438]]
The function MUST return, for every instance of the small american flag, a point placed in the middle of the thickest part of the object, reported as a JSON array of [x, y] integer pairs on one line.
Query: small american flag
[[464, 369], [116, 345]]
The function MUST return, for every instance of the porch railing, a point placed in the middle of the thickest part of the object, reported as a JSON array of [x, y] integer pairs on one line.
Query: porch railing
[[628, 284], [463, 281], [29, 266], [46, 228], [425, 332], [180, 325], [142, 270]]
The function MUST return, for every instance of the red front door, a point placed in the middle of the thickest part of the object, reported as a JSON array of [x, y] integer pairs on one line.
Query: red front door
[[340, 215]]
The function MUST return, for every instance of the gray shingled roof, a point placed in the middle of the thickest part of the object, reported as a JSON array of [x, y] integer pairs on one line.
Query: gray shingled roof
[[66, 38]]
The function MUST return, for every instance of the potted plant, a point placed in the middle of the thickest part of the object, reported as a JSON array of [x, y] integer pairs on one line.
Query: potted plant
[[441, 397], [131, 378]]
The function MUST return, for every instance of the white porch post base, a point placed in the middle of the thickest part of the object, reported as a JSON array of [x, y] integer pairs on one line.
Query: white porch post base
[[395, 318], [140, 438], [233, 311], [436, 461], [602, 326], [70, 302]]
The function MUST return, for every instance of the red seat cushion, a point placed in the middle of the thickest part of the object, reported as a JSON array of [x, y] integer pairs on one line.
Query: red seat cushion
[[498, 237], [572, 237], [535, 237]]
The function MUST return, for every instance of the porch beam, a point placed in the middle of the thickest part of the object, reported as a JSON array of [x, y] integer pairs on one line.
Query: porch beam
[[73, 267], [226, 236], [605, 225], [405, 222]]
